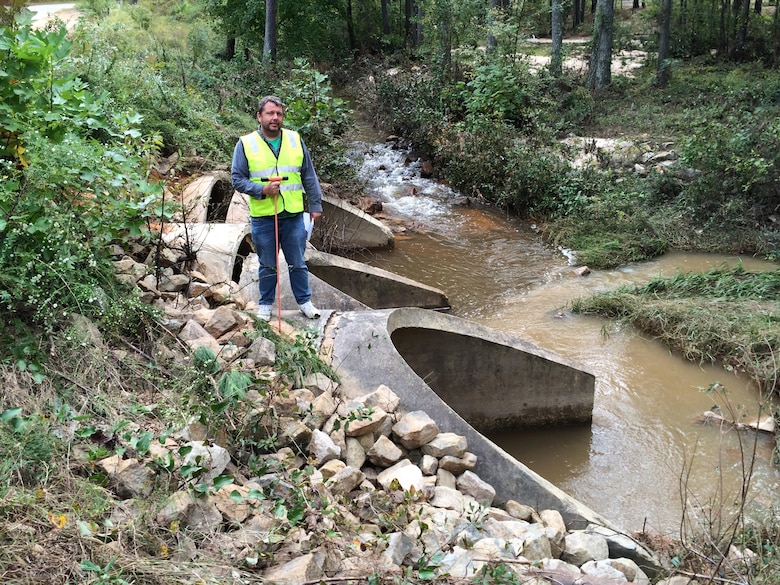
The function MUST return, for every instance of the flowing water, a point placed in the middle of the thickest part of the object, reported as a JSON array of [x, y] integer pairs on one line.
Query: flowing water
[[632, 463]]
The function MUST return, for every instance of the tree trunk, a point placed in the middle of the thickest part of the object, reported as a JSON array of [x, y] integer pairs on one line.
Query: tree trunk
[[743, 28], [490, 42], [758, 6], [445, 45], [663, 43], [417, 26], [776, 36], [556, 60], [599, 70], [350, 28], [269, 43], [385, 18], [575, 14], [408, 9], [230, 48]]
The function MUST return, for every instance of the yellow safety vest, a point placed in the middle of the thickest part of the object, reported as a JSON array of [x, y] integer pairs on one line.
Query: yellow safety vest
[[263, 164]]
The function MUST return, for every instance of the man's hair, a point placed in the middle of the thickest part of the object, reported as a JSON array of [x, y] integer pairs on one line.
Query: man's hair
[[269, 99]]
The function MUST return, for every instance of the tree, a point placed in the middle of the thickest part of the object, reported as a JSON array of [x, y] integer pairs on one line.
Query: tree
[[269, 41], [665, 18], [350, 27], [556, 62], [740, 48], [385, 18], [599, 70], [578, 13], [490, 42]]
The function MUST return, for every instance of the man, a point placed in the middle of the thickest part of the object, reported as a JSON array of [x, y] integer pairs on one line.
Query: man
[[273, 167]]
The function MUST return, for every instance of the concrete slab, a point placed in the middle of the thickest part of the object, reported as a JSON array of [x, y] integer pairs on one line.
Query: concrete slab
[[466, 376], [345, 227], [376, 288]]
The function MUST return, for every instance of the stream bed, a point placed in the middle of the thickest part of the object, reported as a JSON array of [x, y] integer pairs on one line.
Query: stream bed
[[646, 456]]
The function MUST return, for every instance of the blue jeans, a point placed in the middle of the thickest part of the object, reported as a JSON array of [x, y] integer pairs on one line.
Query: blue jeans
[[292, 240]]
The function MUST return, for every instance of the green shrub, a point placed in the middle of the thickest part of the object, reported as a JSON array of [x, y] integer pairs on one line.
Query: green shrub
[[321, 118], [413, 105], [505, 91], [27, 449], [737, 162], [73, 183]]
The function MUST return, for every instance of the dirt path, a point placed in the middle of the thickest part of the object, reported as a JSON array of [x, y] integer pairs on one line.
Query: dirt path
[[46, 13]]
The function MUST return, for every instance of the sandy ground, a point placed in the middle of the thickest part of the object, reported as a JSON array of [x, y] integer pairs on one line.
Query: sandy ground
[[44, 13]]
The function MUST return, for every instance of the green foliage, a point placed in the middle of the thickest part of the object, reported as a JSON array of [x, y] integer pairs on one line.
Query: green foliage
[[515, 173], [503, 91], [103, 575], [95, 8], [212, 391], [297, 358], [358, 414], [72, 183], [497, 574], [186, 95], [27, 449], [737, 162], [606, 224], [321, 118], [412, 104]]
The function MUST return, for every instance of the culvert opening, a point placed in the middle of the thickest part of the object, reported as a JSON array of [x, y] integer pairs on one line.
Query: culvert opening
[[245, 248], [495, 386], [219, 200]]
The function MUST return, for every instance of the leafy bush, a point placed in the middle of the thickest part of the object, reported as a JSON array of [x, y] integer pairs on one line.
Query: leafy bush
[[515, 173], [737, 162], [412, 104], [607, 223], [322, 119], [73, 182], [183, 93], [505, 91]]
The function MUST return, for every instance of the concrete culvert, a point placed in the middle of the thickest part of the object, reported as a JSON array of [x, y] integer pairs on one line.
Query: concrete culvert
[[469, 365], [207, 198]]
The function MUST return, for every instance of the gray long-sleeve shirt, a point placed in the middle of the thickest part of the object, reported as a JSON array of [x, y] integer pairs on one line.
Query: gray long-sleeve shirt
[[239, 173]]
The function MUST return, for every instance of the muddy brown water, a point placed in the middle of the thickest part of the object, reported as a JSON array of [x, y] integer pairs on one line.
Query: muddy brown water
[[632, 463]]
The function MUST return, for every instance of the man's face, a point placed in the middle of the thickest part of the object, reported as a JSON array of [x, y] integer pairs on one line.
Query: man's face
[[271, 119]]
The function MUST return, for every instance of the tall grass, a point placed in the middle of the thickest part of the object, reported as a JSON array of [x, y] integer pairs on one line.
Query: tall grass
[[725, 315]]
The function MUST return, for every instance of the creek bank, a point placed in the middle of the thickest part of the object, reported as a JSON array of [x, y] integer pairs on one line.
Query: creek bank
[[353, 487]]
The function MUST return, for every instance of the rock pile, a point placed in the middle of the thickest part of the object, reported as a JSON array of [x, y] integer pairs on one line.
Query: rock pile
[[351, 489], [384, 490]]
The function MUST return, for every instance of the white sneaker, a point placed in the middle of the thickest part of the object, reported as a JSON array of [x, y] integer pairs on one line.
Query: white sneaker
[[309, 310], [264, 312]]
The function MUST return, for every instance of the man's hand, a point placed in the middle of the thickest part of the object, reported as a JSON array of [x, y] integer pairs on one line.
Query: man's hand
[[272, 188], [315, 215]]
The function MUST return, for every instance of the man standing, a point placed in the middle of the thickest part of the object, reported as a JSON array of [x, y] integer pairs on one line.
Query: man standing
[[273, 167]]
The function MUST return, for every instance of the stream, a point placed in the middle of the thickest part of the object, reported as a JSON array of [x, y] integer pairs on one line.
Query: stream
[[646, 456]]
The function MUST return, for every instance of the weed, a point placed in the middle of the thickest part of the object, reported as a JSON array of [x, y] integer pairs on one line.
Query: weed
[[297, 358], [105, 575], [27, 450]]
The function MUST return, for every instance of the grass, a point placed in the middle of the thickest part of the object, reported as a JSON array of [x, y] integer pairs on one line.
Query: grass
[[638, 108], [725, 315]]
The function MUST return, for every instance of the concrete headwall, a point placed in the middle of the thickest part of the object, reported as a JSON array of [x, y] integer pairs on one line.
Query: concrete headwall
[[376, 288], [345, 227], [495, 384], [365, 355]]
